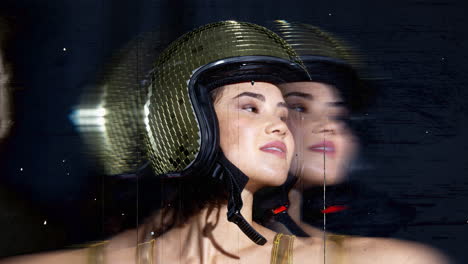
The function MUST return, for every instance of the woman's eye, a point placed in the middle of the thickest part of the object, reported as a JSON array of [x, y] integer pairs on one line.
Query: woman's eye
[[250, 108], [297, 108]]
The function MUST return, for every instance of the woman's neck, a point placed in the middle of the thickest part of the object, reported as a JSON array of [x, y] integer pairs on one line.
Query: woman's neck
[[295, 205], [214, 220], [209, 234], [295, 211]]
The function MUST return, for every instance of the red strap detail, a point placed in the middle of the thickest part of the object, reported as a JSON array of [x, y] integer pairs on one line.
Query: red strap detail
[[334, 209], [280, 209]]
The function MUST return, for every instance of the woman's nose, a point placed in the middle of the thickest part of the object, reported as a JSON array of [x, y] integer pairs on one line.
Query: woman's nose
[[328, 126], [276, 125]]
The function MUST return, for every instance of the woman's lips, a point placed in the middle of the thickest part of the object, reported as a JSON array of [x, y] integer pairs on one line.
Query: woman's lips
[[326, 147], [277, 148]]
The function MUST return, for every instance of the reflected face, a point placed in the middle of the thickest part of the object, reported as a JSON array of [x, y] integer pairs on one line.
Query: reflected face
[[325, 146], [254, 135]]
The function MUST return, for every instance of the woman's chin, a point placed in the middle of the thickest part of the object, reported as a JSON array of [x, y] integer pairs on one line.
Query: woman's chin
[[269, 178], [278, 174], [320, 178]]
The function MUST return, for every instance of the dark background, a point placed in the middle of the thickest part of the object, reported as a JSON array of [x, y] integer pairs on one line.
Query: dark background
[[417, 48]]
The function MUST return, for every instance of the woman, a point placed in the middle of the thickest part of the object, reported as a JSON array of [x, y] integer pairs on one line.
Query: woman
[[215, 172], [219, 150]]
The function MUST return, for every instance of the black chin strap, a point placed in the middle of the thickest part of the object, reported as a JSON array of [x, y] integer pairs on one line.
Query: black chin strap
[[285, 219], [272, 203], [235, 181]]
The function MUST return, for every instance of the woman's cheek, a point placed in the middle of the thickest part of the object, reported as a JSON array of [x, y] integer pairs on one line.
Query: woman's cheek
[[351, 146], [291, 148], [236, 134]]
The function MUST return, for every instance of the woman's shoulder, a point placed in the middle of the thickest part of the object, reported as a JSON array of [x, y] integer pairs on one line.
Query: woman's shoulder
[[74, 256], [393, 251], [119, 249], [352, 249]]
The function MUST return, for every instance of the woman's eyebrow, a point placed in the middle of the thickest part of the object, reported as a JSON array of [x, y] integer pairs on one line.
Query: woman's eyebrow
[[337, 104], [299, 94], [250, 94], [282, 104]]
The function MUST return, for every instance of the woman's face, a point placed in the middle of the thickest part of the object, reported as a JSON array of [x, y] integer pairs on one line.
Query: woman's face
[[325, 146], [253, 132]]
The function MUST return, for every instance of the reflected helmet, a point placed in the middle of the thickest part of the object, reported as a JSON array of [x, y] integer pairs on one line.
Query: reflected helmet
[[329, 60], [110, 114]]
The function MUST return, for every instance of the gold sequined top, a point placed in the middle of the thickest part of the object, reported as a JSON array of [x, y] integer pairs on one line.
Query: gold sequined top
[[144, 254], [282, 251]]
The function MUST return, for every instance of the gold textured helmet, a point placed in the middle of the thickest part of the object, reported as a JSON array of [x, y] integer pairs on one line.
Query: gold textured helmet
[[329, 60], [181, 124]]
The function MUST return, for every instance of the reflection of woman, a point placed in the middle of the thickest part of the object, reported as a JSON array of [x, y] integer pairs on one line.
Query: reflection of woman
[[328, 144], [336, 92], [325, 147], [325, 144], [246, 115]]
